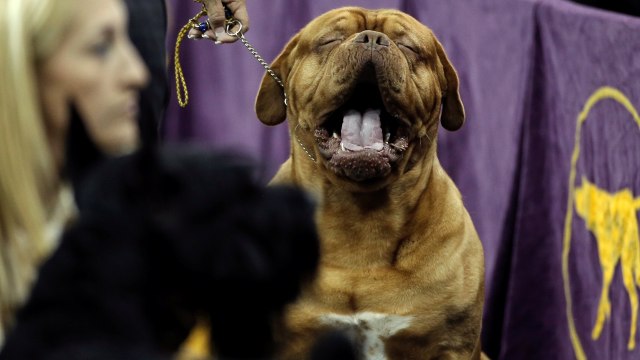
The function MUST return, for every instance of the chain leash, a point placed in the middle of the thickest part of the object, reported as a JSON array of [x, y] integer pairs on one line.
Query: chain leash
[[238, 33], [233, 27], [182, 93], [295, 134]]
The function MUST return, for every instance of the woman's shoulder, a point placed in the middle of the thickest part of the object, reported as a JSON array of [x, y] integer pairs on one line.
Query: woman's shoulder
[[62, 215]]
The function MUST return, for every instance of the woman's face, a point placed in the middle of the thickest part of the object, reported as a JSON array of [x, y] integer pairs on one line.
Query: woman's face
[[97, 69]]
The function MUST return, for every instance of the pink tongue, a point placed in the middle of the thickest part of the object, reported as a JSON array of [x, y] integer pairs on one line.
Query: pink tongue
[[371, 131], [350, 134], [362, 130]]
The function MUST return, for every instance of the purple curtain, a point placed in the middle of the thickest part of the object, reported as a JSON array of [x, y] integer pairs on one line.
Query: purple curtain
[[528, 69]]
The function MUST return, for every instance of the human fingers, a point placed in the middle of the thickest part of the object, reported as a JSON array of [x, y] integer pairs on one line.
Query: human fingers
[[217, 18]]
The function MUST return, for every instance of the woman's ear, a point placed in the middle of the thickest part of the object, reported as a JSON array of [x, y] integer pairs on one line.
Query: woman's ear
[[270, 106], [452, 116]]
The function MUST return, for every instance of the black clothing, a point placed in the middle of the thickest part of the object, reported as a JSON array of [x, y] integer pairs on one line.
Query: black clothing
[[147, 29]]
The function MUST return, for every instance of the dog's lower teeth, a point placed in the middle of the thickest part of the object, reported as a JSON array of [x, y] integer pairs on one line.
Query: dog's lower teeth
[[342, 147], [387, 136], [335, 136]]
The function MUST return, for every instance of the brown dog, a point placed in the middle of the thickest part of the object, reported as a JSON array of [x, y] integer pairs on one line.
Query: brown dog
[[402, 267]]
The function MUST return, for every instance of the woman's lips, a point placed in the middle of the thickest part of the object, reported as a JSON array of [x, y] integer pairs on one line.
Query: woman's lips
[[132, 109]]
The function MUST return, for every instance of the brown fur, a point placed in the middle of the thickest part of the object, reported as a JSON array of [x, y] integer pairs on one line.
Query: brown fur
[[399, 242]]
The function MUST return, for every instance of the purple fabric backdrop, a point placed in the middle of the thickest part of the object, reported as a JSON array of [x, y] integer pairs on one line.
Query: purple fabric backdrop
[[527, 69], [577, 51]]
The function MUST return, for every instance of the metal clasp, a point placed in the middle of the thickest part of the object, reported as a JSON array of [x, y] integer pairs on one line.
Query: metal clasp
[[231, 24]]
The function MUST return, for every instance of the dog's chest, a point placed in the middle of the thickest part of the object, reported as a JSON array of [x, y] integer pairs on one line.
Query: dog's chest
[[351, 242], [368, 330]]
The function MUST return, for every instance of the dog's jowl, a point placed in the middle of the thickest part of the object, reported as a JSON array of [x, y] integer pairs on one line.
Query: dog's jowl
[[402, 268]]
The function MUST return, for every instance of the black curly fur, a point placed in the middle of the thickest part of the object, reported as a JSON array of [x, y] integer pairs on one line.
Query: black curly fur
[[165, 237]]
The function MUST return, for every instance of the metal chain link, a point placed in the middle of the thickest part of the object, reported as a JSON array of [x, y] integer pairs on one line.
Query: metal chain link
[[295, 133], [305, 150], [230, 24]]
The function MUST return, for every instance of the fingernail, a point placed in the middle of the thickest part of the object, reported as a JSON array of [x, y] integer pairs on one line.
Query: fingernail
[[190, 36], [217, 42], [205, 36], [219, 32]]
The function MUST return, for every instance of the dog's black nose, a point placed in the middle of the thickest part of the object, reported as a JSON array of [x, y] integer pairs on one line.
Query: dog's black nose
[[373, 39]]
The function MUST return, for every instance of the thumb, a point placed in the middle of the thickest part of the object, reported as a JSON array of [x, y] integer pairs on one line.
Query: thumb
[[217, 18]]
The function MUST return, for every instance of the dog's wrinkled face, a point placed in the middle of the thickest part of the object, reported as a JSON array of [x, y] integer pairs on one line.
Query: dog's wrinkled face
[[365, 88]]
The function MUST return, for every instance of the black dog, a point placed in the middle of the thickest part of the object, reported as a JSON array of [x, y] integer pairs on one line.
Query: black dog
[[166, 237]]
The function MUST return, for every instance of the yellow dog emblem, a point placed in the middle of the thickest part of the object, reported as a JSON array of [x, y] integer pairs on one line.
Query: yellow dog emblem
[[612, 219]]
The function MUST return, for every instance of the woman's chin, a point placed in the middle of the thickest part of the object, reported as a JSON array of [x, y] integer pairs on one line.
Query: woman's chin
[[123, 143]]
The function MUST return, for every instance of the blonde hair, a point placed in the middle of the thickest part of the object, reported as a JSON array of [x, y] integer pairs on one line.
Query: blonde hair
[[30, 30]]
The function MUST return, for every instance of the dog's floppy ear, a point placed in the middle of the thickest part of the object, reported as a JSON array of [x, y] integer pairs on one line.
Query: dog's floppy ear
[[452, 116], [270, 106]]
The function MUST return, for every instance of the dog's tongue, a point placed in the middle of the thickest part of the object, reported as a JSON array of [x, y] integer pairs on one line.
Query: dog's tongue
[[371, 131], [362, 131]]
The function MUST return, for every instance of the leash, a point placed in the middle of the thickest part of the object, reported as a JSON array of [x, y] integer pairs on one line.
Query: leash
[[183, 93], [233, 27]]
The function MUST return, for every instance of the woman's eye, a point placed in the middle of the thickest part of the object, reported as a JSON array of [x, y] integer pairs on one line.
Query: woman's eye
[[102, 48]]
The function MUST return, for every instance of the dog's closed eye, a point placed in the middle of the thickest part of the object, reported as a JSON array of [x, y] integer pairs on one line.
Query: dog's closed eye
[[409, 47], [330, 41]]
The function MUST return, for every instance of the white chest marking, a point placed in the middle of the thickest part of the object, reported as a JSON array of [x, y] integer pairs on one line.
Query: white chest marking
[[368, 330]]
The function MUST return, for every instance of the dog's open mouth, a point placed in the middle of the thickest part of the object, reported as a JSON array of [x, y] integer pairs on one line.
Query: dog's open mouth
[[361, 140]]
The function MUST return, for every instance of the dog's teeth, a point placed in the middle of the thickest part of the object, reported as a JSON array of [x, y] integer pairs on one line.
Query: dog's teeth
[[335, 136], [387, 136], [342, 147]]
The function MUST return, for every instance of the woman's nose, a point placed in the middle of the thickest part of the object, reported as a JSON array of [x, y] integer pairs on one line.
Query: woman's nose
[[134, 72]]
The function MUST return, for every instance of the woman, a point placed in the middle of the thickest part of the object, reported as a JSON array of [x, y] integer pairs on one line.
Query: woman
[[55, 54]]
